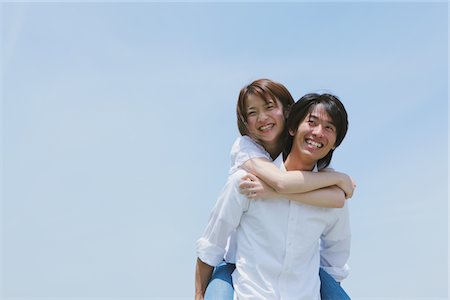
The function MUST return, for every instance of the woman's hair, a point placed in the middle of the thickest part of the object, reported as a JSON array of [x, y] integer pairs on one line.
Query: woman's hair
[[267, 90], [303, 107]]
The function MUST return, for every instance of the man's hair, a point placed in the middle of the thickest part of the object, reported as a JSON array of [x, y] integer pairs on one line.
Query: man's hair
[[304, 106]]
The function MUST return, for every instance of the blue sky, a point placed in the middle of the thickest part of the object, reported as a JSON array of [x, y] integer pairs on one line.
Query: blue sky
[[117, 121]]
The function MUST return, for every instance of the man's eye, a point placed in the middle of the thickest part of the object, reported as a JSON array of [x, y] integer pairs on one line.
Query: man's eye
[[270, 106]]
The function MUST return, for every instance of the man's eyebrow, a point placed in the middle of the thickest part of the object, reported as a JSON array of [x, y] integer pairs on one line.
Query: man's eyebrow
[[317, 118]]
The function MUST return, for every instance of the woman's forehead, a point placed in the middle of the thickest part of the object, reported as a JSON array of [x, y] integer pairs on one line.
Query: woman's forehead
[[253, 99]]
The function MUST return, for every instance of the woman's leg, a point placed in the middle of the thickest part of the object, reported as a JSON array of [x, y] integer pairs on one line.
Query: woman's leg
[[220, 286], [330, 289]]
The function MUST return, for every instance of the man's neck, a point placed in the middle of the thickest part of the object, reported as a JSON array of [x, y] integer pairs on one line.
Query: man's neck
[[274, 151], [293, 162]]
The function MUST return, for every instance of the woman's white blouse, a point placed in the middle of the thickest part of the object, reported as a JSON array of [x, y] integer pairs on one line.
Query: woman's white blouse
[[243, 149]]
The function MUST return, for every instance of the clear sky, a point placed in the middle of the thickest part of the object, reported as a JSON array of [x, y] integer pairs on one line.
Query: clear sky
[[117, 121]]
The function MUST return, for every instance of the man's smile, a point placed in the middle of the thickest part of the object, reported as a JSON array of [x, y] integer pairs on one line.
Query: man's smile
[[314, 143]]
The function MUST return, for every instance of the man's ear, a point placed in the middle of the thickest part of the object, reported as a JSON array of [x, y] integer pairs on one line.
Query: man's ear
[[291, 132], [286, 112]]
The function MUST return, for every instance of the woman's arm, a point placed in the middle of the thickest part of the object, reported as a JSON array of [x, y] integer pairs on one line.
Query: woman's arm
[[293, 182], [329, 197]]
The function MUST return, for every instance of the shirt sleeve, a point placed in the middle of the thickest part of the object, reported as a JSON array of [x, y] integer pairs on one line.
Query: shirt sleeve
[[224, 219], [335, 246], [243, 149]]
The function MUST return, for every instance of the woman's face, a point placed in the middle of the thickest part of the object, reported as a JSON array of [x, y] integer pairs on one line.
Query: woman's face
[[265, 120]]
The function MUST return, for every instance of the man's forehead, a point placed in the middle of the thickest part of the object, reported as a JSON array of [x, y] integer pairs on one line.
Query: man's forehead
[[319, 112]]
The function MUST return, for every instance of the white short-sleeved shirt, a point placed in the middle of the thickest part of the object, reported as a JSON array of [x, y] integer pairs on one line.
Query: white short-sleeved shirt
[[243, 149], [278, 252]]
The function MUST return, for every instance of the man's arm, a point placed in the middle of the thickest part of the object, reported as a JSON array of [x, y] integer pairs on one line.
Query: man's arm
[[224, 219], [335, 246], [202, 276], [292, 182]]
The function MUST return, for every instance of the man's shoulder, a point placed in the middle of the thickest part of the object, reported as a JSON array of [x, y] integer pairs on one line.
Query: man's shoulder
[[340, 214], [236, 176], [231, 192]]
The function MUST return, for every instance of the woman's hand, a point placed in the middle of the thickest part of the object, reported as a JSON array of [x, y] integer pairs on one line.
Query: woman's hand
[[254, 188], [345, 182], [347, 185]]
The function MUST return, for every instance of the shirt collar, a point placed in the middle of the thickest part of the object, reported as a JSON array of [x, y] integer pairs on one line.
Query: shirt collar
[[279, 163]]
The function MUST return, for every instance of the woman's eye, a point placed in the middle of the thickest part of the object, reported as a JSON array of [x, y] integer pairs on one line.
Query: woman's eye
[[252, 113]]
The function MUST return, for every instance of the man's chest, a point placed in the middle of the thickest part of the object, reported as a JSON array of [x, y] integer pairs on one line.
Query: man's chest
[[281, 220]]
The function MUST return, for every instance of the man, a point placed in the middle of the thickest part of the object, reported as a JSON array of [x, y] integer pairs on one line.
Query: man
[[278, 254]]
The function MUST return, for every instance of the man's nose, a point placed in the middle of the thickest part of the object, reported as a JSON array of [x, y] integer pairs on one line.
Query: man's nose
[[318, 130]]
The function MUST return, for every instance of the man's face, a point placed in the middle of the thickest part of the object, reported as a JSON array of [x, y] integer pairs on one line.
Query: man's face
[[315, 135]]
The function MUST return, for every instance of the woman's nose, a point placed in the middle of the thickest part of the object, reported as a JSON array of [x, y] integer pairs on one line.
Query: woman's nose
[[262, 116]]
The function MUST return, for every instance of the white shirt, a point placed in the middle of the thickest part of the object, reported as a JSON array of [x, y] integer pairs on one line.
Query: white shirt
[[243, 149], [278, 250]]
